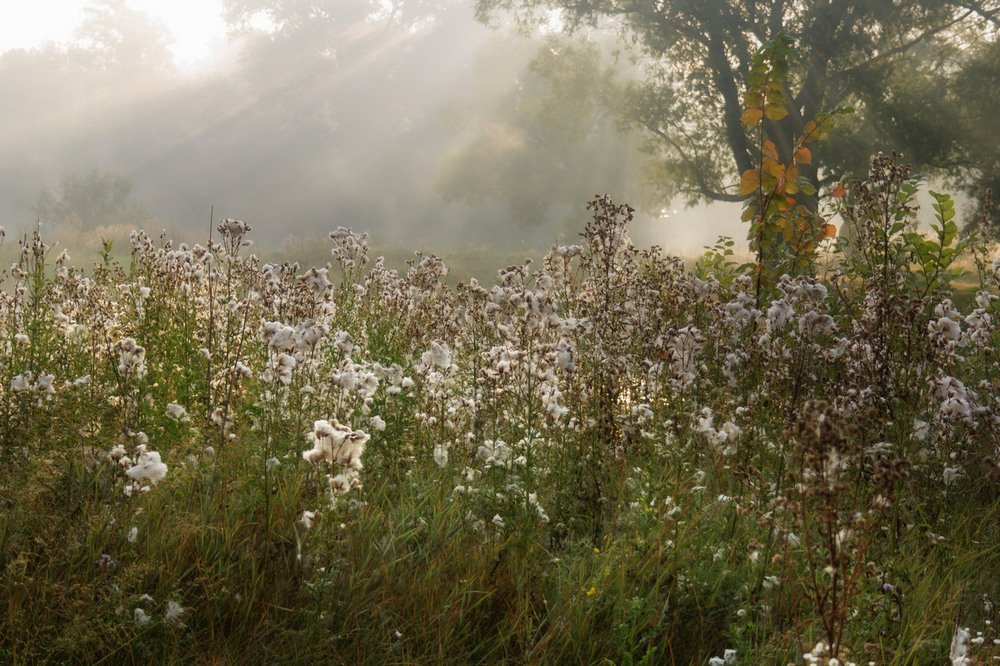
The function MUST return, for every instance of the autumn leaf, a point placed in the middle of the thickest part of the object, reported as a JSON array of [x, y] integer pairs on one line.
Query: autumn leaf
[[817, 129], [751, 117], [803, 155], [839, 191], [773, 167], [829, 230], [768, 148], [749, 182]]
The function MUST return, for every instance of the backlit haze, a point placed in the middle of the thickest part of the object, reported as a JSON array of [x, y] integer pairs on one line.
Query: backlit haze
[[197, 29], [391, 123]]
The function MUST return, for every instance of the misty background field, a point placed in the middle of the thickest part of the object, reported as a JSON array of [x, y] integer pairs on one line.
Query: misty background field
[[409, 130], [428, 128]]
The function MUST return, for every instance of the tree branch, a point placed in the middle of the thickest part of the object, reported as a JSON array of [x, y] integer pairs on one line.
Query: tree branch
[[902, 48], [732, 107], [977, 8], [702, 185]]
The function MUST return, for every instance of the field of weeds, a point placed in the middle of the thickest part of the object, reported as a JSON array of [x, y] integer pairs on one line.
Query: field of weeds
[[605, 458]]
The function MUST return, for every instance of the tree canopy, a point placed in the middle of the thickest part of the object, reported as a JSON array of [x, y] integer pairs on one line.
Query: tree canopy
[[910, 69], [86, 201], [525, 146]]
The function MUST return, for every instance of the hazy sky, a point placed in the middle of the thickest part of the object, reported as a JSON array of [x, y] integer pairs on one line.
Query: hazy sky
[[376, 132], [196, 25]]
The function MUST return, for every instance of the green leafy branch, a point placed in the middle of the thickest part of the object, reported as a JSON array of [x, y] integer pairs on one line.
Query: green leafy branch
[[933, 256]]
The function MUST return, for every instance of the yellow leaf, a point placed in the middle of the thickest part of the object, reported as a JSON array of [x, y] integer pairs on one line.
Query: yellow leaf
[[749, 182], [751, 117], [772, 166], [775, 111]]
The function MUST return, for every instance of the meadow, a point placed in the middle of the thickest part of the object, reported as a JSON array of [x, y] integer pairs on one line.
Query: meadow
[[602, 457]]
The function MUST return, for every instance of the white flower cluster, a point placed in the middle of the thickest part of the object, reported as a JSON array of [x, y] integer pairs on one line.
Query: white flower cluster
[[338, 445], [349, 249], [682, 349], [727, 659], [144, 469], [131, 358], [177, 412], [27, 383], [725, 438]]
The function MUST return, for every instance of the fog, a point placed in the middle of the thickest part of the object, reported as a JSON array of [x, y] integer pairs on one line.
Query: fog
[[429, 131]]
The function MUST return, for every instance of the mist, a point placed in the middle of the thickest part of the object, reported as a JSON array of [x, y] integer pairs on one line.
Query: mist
[[428, 131]]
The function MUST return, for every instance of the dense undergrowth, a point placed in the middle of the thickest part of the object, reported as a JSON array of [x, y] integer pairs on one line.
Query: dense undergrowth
[[606, 458]]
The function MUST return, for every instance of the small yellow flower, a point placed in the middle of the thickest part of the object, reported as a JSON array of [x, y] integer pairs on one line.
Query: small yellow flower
[[592, 591], [597, 550]]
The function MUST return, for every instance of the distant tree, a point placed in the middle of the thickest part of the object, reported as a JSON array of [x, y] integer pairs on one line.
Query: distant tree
[[295, 47], [85, 201], [314, 16], [123, 39], [901, 64], [65, 102], [525, 146], [975, 92]]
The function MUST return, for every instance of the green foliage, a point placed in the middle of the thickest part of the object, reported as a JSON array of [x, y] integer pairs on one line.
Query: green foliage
[[935, 255], [715, 261], [880, 230], [921, 74]]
